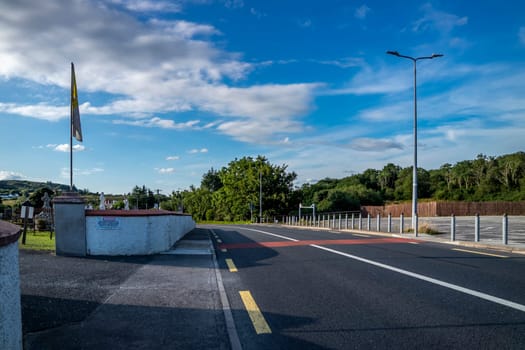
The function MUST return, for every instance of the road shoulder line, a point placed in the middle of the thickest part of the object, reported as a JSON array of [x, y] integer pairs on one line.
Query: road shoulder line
[[228, 316], [464, 290]]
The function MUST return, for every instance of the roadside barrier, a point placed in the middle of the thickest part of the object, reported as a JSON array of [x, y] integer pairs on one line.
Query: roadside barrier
[[465, 228]]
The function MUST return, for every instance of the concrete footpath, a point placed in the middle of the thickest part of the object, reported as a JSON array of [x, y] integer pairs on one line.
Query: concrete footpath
[[168, 301]]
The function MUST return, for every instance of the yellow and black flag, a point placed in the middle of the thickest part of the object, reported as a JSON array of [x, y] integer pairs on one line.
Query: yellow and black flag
[[76, 130]]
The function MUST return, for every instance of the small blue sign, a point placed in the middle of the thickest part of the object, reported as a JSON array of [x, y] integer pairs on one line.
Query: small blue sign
[[108, 223]]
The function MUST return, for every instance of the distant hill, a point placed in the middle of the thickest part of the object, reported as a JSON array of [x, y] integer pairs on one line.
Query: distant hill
[[20, 187]]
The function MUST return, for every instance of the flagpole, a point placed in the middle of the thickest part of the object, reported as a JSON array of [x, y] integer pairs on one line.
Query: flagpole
[[71, 133], [75, 128]]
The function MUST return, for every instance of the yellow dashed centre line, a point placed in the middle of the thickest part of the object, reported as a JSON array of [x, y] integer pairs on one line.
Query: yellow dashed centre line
[[231, 265], [259, 323], [481, 253]]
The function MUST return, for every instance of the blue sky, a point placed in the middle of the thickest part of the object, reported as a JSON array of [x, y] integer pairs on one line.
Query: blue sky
[[170, 89]]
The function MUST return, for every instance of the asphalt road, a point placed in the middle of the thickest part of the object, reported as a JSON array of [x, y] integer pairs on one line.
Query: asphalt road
[[308, 289]]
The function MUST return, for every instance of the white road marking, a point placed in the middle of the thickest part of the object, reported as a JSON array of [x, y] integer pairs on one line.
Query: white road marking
[[481, 295], [359, 235], [457, 288], [481, 253], [226, 309], [271, 234]]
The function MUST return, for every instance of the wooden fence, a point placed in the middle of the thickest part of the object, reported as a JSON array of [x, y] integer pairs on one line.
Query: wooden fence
[[429, 209]]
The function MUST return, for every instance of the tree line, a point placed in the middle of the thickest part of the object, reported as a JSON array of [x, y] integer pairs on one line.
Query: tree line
[[232, 193]]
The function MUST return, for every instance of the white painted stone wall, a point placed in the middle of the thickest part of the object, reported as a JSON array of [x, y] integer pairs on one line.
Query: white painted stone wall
[[10, 310], [134, 235]]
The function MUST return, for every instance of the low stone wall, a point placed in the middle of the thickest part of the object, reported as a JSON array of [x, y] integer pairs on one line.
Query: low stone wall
[[134, 232], [10, 310]]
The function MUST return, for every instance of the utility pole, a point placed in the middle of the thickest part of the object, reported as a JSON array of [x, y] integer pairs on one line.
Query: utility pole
[[260, 196]]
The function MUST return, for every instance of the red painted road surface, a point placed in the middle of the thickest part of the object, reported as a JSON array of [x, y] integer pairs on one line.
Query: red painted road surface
[[280, 244]]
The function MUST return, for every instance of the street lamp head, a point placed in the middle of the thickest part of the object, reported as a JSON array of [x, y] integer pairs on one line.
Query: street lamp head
[[395, 53], [434, 55]]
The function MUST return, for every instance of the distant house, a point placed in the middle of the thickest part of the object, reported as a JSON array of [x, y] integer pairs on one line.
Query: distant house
[[9, 196]]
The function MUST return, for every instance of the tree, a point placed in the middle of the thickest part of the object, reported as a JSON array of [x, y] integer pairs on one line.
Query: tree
[[198, 202], [403, 189], [36, 197], [370, 178], [511, 168], [211, 180], [226, 194], [142, 198], [387, 179]]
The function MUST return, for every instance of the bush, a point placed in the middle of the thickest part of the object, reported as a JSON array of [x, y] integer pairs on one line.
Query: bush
[[41, 225], [426, 229]]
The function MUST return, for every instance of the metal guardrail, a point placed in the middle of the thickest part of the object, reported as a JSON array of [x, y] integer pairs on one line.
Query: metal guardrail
[[505, 229]]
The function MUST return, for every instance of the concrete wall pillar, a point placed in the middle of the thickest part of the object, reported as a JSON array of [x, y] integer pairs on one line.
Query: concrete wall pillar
[[10, 310], [70, 224]]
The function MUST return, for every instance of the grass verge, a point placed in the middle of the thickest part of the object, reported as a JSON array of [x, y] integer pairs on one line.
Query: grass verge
[[38, 240]]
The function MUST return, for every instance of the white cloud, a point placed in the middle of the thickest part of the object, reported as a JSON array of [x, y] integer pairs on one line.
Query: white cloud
[[165, 170], [10, 175], [374, 145], [521, 35], [148, 6], [234, 4], [90, 171], [375, 81], [172, 158], [398, 76], [65, 147], [438, 20], [185, 29], [257, 13], [304, 23], [148, 67], [65, 172], [258, 102], [195, 150], [156, 122], [39, 111], [262, 132], [362, 11], [348, 62]]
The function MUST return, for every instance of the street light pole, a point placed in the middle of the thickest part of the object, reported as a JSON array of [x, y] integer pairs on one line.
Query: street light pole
[[414, 170], [260, 196]]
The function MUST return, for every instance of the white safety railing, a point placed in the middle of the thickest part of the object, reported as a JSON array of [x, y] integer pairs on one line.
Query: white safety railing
[[465, 228]]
